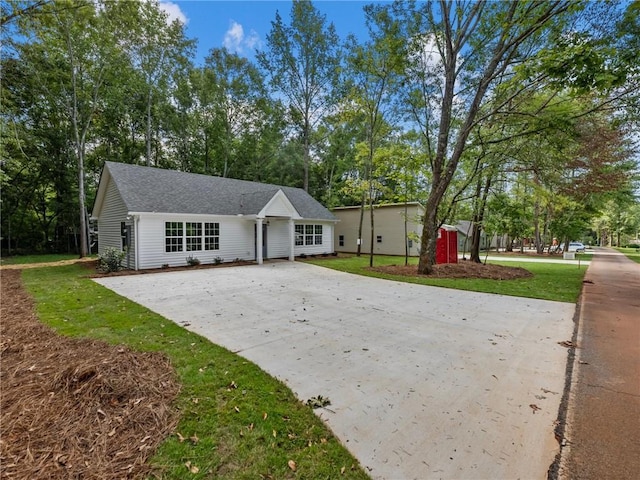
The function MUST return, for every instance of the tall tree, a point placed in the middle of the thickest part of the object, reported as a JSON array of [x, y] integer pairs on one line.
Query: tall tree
[[302, 61], [456, 53], [81, 44], [374, 73], [238, 99], [157, 49]]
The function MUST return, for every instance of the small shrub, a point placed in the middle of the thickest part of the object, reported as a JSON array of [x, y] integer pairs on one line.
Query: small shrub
[[192, 261], [111, 260], [633, 245], [217, 261]]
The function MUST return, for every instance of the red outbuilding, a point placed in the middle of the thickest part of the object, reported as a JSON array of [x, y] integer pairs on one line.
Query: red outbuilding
[[447, 245]]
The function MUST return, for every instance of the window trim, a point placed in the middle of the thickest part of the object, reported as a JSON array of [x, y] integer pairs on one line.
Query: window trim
[[191, 236], [309, 234], [173, 237], [213, 236], [193, 242]]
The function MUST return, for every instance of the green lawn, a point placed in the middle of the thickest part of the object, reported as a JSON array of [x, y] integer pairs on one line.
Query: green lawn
[[550, 281], [632, 253], [39, 258], [249, 424], [588, 255]]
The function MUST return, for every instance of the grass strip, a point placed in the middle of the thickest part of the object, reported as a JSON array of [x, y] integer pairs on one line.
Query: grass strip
[[550, 281], [631, 253], [37, 258], [236, 421]]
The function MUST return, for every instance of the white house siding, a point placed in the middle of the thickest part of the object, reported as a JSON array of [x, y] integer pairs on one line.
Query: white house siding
[[236, 240], [388, 224], [278, 240], [327, 239], [278, 207], [109, 223]]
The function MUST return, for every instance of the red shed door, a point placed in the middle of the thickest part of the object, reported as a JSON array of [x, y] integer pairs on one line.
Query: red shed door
[[452, 239], [441, 246]]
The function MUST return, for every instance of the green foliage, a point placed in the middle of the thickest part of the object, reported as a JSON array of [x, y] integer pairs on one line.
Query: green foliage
[[302, 61], [632, 252], [192, 261], [230, 406], [430, 101], [46, 258], [111, 260]]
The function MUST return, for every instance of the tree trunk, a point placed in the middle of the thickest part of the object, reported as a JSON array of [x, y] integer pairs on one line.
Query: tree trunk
[[406, 233], [206, 153], [362, 205], [478, 217], [306, 156], [536, 227], [84, 250], [429, 237], [476, 237], [372, 229], [148, 139]]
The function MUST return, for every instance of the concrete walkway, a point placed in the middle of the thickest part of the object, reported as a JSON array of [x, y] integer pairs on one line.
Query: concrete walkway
[[603, 420], [424, 382]]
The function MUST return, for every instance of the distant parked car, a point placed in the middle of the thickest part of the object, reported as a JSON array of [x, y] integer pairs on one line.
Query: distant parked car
[[575, 247]]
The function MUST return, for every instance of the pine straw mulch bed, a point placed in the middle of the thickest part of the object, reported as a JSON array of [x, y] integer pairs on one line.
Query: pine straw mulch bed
[[76, 408], [463, 269]]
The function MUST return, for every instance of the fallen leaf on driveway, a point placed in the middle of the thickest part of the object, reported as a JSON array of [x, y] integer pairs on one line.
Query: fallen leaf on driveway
[[318, 402], [534, 407], [567, 344]]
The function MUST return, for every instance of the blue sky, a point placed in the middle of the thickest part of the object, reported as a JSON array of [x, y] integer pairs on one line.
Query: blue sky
[[243, 25]]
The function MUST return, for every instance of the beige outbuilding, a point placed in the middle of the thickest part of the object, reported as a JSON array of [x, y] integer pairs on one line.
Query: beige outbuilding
[[397, 229]]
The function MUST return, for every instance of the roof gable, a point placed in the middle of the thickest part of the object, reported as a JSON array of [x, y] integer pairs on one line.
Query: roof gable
[[279, 205], [148, 189]]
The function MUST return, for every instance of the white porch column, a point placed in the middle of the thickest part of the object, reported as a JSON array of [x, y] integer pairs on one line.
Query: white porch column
[[292, 239], [259, 241]]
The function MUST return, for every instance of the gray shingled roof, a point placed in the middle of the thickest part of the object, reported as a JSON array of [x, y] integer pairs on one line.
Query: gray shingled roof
[[148, 189]]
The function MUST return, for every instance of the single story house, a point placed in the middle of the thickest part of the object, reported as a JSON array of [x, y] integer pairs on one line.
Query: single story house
[[389, 228], [163, 217]]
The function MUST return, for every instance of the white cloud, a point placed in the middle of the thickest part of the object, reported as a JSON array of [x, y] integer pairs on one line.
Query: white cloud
[[174, 13], [236, 41]]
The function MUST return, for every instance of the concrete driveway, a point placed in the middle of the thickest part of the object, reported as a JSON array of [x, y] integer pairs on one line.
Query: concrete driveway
[[424, 382]]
